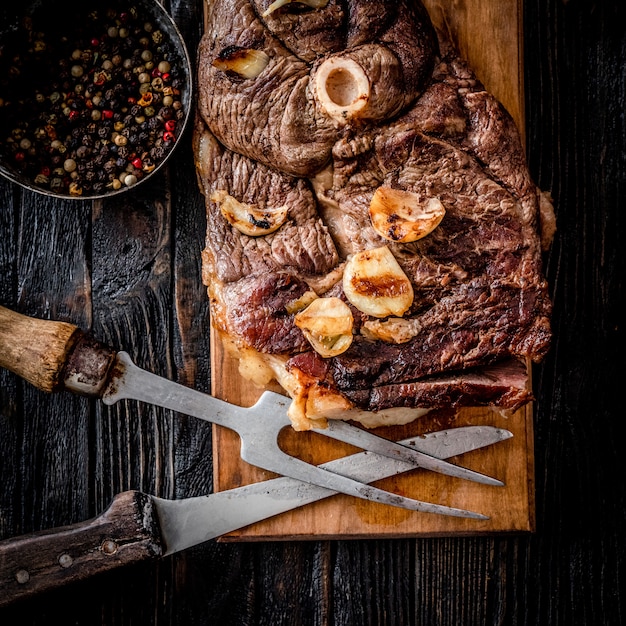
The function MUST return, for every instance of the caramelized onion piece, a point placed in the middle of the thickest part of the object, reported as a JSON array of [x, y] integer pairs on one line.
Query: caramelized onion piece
[[374, 283], [247, 218], [246, 62], [327, 325], [402, 216]]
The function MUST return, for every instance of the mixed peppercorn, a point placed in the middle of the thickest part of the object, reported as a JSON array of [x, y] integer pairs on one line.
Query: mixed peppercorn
[[90, 110]]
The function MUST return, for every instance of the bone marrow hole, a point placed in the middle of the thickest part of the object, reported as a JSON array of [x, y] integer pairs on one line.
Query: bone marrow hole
[[342, 87]]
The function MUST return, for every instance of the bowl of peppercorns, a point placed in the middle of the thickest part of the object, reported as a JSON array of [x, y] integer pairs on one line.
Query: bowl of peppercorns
[[94, 95]]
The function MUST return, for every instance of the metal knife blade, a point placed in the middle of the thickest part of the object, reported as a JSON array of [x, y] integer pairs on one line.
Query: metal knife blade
[[185, 523]]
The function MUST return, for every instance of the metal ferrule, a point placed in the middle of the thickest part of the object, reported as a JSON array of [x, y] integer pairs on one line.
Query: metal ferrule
[[88, 366]]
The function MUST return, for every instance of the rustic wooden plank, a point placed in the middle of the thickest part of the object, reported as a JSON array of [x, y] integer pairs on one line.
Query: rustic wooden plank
[[345, 517], [131, 289], [575, 95], [132, 443], [491, 39], [52, 281], [10, 400]]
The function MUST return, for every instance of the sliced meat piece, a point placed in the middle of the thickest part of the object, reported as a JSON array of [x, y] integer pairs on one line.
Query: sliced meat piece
[[504, 385]]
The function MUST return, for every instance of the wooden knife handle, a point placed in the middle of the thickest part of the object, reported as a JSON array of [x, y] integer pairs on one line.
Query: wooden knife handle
[[127, 532], [53, 355]]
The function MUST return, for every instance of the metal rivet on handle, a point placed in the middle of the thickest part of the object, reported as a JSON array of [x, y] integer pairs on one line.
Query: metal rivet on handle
[[65, 560], [109, 546], [22, 576]]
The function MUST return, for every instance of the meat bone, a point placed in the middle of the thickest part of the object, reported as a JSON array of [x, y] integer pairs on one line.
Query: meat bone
[[56, 355], [139, 527]]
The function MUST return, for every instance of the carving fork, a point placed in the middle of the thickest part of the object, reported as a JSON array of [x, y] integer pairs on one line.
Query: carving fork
[[55, 355]]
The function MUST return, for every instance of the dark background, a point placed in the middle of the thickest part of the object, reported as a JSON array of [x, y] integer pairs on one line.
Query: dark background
[[129, 270]]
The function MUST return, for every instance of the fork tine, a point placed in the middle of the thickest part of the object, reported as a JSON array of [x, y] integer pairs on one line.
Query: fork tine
[[259, 446], [365, 440], [273, 406], [269, 455]]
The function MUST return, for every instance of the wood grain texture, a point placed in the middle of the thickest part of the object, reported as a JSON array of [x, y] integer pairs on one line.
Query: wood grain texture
[[491, 38], [60, 457]]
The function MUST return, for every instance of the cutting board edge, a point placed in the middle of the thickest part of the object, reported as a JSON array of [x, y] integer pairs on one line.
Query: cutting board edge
[[236, 538]]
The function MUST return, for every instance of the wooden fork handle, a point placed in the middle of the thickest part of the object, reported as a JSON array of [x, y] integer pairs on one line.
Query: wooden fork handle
[[53, 355]]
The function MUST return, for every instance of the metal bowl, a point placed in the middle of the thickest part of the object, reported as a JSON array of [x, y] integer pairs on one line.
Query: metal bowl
[[60, 13]]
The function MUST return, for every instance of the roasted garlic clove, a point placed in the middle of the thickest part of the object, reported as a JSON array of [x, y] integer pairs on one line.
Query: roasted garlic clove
[[374, 283], [392, 330], [297, 305], [246, 62], [402, 216], [314, 4], [327, 325], [247, 218]]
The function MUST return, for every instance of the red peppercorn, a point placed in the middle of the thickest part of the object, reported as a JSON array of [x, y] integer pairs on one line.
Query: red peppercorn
[[165, 76], [168, 136], [95, 42], [107, 114], [19, 156], [74, 115], [132, 100], [45, 171], [137, 163], [170, 125]]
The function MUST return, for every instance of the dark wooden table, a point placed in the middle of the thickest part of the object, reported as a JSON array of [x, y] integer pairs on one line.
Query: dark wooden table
[[129, 270]]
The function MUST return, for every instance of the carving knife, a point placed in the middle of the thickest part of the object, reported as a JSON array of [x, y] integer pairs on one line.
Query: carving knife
[[139, 527]]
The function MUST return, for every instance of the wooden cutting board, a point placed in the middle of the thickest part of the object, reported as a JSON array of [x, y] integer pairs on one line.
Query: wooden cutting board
[[489, 34]]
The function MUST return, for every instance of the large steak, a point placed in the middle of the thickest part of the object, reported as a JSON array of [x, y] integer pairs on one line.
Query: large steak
[[374, 238]]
